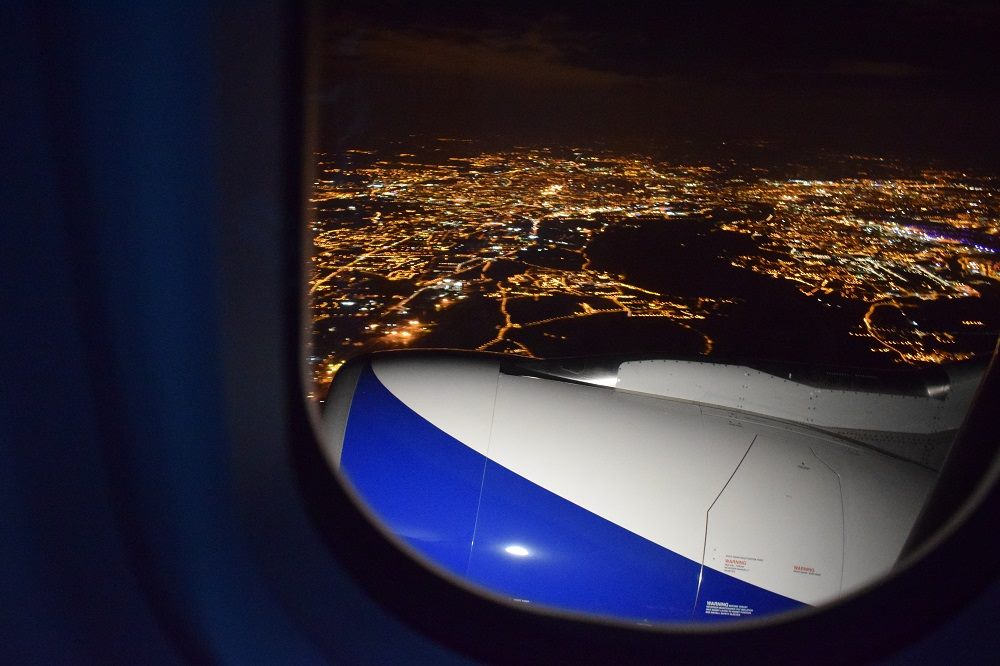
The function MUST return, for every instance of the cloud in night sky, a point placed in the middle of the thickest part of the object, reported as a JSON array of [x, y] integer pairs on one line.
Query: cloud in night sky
[[880, 75], [523, 60]]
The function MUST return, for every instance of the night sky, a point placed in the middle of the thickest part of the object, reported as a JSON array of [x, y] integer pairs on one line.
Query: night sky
[[907, 78]]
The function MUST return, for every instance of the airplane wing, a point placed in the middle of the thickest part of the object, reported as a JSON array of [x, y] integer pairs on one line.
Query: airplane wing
[[648, 490]]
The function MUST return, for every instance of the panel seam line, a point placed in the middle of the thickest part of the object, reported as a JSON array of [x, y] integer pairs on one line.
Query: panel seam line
[[482, 480], [704, 543]]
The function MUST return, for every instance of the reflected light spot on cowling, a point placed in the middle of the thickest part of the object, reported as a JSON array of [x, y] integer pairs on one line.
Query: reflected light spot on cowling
[[604, 380], [517, 550]]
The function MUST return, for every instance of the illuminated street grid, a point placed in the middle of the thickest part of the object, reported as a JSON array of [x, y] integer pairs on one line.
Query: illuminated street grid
[[399, 239]]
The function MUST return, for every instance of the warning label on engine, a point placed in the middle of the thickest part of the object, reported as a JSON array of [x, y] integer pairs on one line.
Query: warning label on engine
[[726, 608], [734, 563]]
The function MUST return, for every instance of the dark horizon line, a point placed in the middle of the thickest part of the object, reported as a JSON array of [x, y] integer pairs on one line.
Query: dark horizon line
[[721, 147]]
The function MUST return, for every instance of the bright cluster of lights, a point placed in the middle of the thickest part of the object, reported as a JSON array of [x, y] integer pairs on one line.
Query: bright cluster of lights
[[399, 239]]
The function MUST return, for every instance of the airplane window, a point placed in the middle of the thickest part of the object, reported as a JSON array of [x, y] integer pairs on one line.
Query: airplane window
[[669, 315]]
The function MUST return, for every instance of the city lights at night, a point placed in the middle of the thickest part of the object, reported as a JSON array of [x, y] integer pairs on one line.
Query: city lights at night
[[404, 238], [728, 181]]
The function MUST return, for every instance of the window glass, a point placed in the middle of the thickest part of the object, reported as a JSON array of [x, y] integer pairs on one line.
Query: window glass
[[727, 279]]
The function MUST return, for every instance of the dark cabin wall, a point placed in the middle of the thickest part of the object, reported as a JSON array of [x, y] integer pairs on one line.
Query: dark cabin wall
[[151, 512]]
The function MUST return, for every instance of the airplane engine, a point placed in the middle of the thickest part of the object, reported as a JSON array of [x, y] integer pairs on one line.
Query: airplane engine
[[572, 490]]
